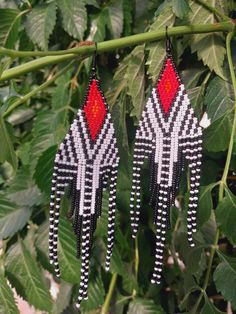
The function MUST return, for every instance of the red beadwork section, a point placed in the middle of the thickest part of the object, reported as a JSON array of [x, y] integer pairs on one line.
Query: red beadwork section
[[167, 85], [94, 109]]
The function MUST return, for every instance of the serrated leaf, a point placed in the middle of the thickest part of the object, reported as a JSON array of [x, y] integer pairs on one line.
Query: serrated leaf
[[144, 306], [25, 275], [209, 47], [196, 261], [116, 262], [226, 216], [44, 169], [74, 17], [43, 134], [98, 27], [10, 20], [196, 98], [69, 264], [205, 204], [50, 125], [7, 301], [225, 278], [191, 77], [135, 76], [119, 120], [96, 295], [157, 51], [40, 23], [128, 18], [180, 8], [22, 189], [218, 98], [12, 217], [216, 137], [7, 152], [115, 16]]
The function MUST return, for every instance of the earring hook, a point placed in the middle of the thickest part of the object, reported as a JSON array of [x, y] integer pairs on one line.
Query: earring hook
[[95, 57], [168, 42]]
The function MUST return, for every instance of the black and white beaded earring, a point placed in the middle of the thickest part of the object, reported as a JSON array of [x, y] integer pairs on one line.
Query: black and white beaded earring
[[169, 135], [86, 160]]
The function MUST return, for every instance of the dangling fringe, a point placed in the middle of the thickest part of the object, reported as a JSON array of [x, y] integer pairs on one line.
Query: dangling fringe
[[168, 134], [86, 161]]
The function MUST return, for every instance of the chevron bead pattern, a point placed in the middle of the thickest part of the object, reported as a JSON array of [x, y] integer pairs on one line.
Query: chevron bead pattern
[[86, 160], [168, 135]]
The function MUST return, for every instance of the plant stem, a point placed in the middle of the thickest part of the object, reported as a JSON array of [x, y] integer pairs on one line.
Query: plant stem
[[223, 182], [54, 57], [38, 89], [213, 10], [105, 307], [136, 264]]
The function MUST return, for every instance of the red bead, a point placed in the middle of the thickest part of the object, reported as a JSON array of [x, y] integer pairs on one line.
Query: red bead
[[94, 109], [167, 85]]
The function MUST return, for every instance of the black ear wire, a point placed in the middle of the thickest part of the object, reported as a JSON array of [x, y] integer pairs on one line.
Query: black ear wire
[[95, 55]]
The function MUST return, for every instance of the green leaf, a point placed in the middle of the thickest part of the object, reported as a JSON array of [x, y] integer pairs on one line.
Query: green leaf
[[12, 217], [74, 17], [216, 137], [98, 27], [69, 264], [226, 216], [40, 23], [209, 47], [96, 295], [44, 169], [7, 301], [196, 98], [180, 8], [218, 98], [128, 17], [209, 307], [117, 265], [22, 189], [196, 261], [135, 76], [205, 204], [25, 275], [7, 152], [101, 230], [10, 22], [191, 76], [225, 278], [119, 82], [50, 125], [157, 51], [63, 298], [144, 306], [115, 16]]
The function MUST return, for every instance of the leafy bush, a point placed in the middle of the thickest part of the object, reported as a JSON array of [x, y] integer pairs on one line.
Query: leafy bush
[[38, 101]]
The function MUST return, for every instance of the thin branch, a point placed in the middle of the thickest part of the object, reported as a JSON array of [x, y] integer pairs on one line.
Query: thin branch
[[105, 307], [213, 10], [54, 57], [38, 89]]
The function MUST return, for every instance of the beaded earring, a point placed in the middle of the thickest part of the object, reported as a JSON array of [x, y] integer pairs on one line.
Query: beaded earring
[[86, 160], [169, 135]]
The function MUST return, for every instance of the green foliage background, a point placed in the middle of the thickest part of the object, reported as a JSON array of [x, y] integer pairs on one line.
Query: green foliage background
[[34, 119]]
